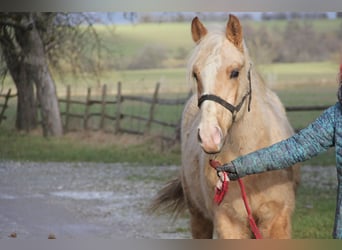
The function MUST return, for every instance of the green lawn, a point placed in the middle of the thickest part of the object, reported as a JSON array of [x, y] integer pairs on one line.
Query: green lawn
[[319, 25], [171, 35], [286, 75], [314, 213], [84, 148]]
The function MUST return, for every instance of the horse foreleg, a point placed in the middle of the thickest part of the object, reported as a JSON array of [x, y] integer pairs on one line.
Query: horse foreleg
[[276, 224], [229, 227]]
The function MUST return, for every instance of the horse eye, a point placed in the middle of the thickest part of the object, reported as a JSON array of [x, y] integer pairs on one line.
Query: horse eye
[[234, 74]]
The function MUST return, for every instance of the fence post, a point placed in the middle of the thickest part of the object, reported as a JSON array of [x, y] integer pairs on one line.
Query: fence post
[[152, 108], [86, 111], [103, 106], [67, 109], [118, 109]]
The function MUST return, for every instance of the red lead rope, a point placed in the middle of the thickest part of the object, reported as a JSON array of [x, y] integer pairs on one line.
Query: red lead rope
[[219, 194], [252, 223]]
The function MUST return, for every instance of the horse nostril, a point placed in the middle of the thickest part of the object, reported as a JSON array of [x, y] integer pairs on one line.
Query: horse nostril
[[198, 136]]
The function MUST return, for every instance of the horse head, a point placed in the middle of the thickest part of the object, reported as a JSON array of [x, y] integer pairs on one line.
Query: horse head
[[220, 68]]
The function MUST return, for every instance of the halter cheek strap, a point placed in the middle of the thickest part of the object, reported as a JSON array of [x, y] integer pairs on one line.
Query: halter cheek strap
[[233, 109]]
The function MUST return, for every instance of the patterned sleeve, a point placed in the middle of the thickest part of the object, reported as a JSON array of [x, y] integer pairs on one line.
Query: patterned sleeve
[[307, 143]]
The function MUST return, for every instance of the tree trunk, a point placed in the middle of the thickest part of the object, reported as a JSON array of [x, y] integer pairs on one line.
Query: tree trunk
[[25, 57], [36, 65], [26, 117], [46, 93]]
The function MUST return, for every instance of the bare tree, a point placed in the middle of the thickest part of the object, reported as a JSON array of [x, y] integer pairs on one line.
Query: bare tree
[[32, 42]]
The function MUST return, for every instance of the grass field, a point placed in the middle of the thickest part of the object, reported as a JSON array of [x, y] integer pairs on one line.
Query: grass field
[[314, 214], [319, 25], [178, 35], [126, 41], [171, 35], [279, 76]]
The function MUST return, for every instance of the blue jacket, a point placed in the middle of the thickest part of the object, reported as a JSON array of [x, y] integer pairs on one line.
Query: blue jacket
[[323, 133]]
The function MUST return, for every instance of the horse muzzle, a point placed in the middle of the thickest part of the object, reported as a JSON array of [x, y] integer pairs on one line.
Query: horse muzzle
[[210, 139]]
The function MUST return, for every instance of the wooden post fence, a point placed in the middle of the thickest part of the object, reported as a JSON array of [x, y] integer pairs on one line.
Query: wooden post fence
[[119, 113], [86, 110], [118, 109], [67, 109], [152, 109], [103, 106]]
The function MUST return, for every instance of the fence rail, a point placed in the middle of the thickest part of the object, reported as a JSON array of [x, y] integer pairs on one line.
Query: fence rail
[[119, 115], [148, 119], [306, 108]]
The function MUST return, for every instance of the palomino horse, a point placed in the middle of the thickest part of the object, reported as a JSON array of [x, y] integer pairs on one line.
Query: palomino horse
[[231, 113]]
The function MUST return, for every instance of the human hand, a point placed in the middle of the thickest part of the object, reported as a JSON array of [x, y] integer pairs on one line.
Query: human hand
[[230, 169]]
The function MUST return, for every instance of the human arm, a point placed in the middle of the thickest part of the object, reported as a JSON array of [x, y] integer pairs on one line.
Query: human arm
[[310, 141]]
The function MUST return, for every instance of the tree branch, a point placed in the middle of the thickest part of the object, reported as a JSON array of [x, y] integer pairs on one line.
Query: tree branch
[[23, 27]]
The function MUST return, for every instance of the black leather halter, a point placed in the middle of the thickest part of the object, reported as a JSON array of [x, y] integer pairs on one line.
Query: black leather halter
[[233, 109]]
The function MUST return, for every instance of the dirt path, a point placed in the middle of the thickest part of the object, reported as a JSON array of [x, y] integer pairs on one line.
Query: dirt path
[[75, 200]]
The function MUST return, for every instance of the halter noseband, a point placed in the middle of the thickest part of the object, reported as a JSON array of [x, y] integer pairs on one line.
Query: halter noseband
[[233, 109]]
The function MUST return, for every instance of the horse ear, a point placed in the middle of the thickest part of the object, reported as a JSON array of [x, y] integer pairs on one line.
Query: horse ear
[[234, 32], [197, 30]]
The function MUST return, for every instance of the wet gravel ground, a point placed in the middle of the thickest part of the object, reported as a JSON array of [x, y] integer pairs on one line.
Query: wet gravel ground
[[76, 200], [73, 200]]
